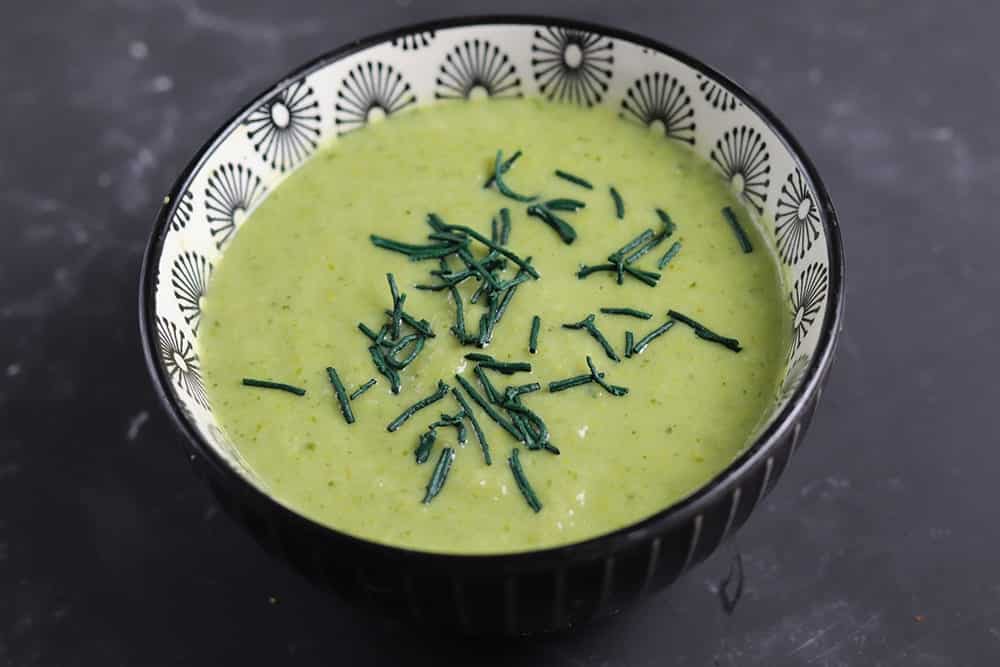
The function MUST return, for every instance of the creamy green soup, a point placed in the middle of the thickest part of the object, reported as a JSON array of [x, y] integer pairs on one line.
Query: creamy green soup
[[285, 301]]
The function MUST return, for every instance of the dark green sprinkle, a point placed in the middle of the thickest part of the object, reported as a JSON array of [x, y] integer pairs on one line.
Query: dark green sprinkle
[[487, 408], [338, 388], [522, 482], [639, 346], [612, 389], [631, 312], [442, 390], [467, 409], [500, 249], [536, 324], [565, 204], [741, 235], [440, 474], [383, 367], [417, 341], [504, 226], [397, 305], [478, 356], [362, 389], [459, 327], [491, 391], [267, 384], [587, 323], [619, 203], [498, 173], [424, 445], [366, 331], [668, 224], [670, 254], [619, 255], [494, 230], [436, 223], [569, 383], [456, 421], [560, 226], [508, 163], [646, 247], [705, 333], [511, 393], [648, 277], [476, 266], [576, 180], [629, 343], [415, 252], [423, 327]]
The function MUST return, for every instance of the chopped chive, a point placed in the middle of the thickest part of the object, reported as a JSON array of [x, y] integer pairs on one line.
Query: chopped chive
[[383, 367], [741, 235], [338, 388], [511, 393], [487, 408], [362, 389], [631, 312], [670, 254], [366, 331], [504, 226], [668, 224], [494, 230], [587, 323], [478, 356], [397, 305], [705, 333], [629, 343], [645, 248], [415, 252], [612, 389], [565, 204], [435, 221], [569, 383], [442, 390], [418, 342], [459, 327], [648, 277], [484, 379], [500, 249], [522, 482], [508, 163], [536, 324], [498, 173], [576, 180], [440, 474], [639, 346], [619, 255], [619, 203], [560, 226], [467, 409], [267, 384], [476, 266], [423, 327], [424, 445], [456, 421]]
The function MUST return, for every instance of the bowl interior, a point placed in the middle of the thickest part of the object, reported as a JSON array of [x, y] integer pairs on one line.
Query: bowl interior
[[559, 62]]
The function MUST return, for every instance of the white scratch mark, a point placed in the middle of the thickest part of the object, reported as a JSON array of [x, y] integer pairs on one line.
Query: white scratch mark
[[138, 50], [13, 370], [161, 84], [135, 425], [815, 638]]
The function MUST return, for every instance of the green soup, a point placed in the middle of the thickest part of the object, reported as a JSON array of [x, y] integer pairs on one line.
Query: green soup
[[285, 301]]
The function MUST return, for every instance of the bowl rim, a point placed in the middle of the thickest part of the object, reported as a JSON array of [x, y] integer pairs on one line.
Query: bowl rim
[[662, 521]]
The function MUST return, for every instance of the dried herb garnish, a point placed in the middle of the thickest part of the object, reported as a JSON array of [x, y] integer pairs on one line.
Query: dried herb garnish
[[338, 389], [505, 367], [668, 224], [416, 341], [383, 367], [362, 389], [629, 343], [612, 389], [440, 474], [576, 180], [456, 422], [467, 410], [565, 204], [741, 235], [268, 384], [442, 390], [669, 255], [498, 173], [631, 312], [487, 408], [500, 249], [705, 333], [508, 163], [504, 226], [641, 344], [424, 445], [648, 277], [522, 482], [560, 226], [619, 203], [569, 383], [587, 324], [416, 253], [536, 324]]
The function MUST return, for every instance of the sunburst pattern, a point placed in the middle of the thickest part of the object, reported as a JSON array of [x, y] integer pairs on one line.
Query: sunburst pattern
[[285, 129], [572, 65], [796, 219], [660, 98], [232, 191], [180, 360], [412, 42], [807, 296], [742, 156], [716, 95], [182, 213], [367, 87], [189, 277], [477, 64]]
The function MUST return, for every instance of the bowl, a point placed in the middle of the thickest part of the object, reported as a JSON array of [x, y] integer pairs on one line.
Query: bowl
[[443, 62]]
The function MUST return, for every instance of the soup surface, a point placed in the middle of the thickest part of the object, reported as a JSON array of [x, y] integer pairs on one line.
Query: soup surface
[[285, 301]]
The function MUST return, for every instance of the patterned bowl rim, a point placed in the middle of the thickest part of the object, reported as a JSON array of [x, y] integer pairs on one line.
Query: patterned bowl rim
[[656, 524]]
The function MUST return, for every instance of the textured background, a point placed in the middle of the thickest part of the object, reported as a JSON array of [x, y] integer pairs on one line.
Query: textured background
[[879, 546]]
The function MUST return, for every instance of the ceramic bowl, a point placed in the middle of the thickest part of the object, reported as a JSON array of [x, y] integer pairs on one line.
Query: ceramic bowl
[[565, 62]]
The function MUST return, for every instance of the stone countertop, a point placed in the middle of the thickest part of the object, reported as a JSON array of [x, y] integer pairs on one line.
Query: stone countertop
[[879, 547]]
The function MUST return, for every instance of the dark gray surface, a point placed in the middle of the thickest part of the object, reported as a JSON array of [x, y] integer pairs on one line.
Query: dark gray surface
[[878, 547]]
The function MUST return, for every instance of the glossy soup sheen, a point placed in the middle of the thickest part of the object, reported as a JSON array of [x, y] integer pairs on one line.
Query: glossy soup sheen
[[285, 301]]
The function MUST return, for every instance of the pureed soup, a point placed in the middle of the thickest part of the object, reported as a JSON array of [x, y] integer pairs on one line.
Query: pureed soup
[[580, 343]]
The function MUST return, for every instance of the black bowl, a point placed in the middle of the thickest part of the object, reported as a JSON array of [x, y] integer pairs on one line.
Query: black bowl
[[534, 591]]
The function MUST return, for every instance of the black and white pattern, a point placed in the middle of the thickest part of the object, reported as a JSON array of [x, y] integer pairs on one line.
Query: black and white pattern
[[807, 296], [742, 156], [232, 191], [716, 95], [371, 86], [572, 65], [417, 40], [796, 219], [189, 277], [180, 361], [660, 98], [182, 213], [477, 64], [793, 378], [285, 129]]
